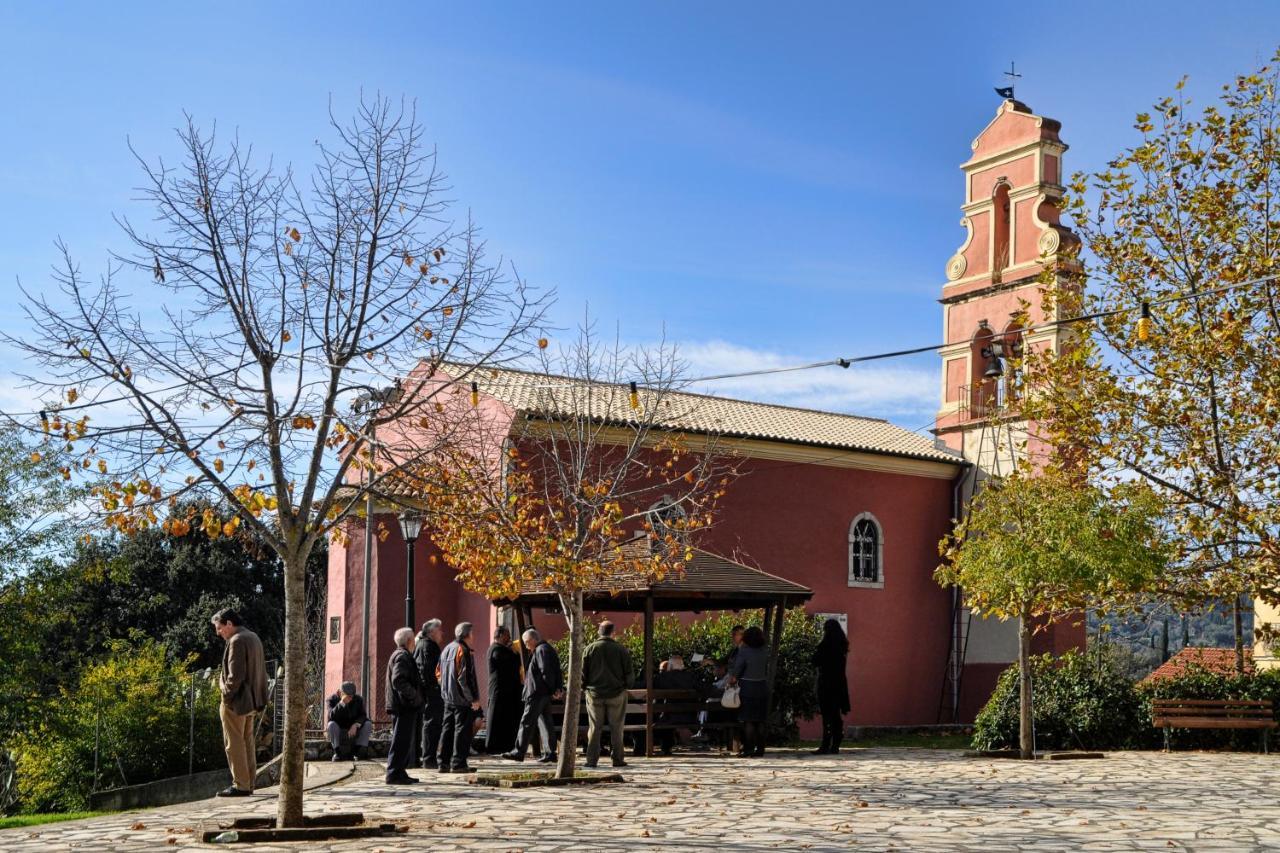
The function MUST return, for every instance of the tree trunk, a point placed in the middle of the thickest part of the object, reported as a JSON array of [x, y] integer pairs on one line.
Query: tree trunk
[[1026, 740], [292, 769], [1239, 626], [573, 695]]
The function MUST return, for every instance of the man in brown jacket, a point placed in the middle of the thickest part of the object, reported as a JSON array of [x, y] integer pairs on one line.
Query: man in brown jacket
[[244, 693]]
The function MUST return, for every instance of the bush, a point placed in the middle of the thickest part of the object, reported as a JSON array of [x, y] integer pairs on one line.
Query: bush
[[1196, 682], [133, 707], [1080, 701], [794, 695]]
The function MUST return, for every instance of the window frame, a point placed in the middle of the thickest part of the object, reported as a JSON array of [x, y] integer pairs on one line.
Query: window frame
[[857, 581]]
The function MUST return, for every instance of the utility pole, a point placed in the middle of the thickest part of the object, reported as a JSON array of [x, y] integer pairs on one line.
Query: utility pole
[[369, 402]]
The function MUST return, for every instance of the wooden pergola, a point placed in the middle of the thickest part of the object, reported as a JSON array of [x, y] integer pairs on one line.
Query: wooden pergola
[[708, 582]]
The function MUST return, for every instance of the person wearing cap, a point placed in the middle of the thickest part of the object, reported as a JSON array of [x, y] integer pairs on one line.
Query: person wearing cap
[[349, 724]]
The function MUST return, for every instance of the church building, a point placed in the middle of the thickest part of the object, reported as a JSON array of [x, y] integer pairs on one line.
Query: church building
[[851, 507]]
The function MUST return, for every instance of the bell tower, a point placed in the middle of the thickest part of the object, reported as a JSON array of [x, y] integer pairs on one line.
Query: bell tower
[[992, 309], [1012, 195]]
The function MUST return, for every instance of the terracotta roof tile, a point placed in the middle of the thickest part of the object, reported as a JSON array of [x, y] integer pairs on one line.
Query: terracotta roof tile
[[534, 393], [1217, 660]]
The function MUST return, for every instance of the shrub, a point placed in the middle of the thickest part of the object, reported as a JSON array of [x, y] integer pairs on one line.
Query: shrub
[[794, 695], [1079, 701], [132, 706]]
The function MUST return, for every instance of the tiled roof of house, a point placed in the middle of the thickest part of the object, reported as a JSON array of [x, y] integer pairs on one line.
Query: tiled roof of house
[[708, 580], [538, 394], [1217, 660]]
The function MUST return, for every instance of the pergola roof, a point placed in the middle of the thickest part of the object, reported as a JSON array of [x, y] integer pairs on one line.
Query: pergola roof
[[708, 582]]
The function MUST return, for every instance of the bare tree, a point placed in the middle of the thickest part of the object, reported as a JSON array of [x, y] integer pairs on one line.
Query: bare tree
[[268, 313], [601, 480]]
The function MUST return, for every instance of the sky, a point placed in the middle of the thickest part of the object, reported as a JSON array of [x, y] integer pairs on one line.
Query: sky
[[765, 184]]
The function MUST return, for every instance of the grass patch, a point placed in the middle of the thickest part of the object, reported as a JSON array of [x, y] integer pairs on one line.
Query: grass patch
[[20, 820]]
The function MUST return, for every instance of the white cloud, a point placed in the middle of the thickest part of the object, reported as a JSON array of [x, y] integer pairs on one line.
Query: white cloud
[[906, 395]]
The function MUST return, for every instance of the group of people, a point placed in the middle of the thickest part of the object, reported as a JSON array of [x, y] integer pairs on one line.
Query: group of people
[[434, 700], [433, 697]]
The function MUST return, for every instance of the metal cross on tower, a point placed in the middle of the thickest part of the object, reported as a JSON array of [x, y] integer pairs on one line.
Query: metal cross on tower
[[1013, 75]]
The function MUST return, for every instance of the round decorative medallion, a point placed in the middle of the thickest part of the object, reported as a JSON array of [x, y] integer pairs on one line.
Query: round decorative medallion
[[956, 267], [1049, 241]]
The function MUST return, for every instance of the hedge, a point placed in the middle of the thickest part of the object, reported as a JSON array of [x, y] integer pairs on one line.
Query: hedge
[[1084, 701]]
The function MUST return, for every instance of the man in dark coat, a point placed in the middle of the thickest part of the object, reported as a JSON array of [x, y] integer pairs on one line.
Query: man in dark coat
[[461, 694], [404, 703], [427, 655], [244, 693], [504, 693], [543, 682], [349, 726], [675, 677]]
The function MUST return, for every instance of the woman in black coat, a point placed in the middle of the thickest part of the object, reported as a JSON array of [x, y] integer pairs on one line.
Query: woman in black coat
[[833, 685], [504, 694]]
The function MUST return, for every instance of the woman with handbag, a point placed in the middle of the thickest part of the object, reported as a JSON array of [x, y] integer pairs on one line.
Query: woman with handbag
[[749, 672], [833, 685]]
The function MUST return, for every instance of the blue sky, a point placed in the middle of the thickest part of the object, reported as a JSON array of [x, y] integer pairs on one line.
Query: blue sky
[[769, 183]]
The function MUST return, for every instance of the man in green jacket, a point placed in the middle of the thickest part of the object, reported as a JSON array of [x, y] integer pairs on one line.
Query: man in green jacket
[[606, 673]]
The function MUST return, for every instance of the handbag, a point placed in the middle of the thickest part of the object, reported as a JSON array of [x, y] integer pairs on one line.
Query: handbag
[[731, 698]]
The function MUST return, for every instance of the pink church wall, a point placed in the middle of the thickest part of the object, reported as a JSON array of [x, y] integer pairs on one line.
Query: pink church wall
[[791, 519]]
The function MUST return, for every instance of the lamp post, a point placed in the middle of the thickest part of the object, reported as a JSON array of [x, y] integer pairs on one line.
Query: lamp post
[[410, 529]]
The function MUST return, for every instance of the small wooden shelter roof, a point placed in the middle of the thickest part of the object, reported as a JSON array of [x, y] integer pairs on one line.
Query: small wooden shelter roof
[[708, 582]]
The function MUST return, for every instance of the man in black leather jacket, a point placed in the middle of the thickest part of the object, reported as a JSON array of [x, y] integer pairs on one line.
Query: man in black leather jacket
[[427, 656]]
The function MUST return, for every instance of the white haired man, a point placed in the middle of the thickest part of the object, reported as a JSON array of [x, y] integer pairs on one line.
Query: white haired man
[[427, 655], [461, 694], [404, 703], [543, 682]]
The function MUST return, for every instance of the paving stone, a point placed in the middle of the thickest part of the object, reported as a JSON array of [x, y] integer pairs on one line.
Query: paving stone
[[872, 799]]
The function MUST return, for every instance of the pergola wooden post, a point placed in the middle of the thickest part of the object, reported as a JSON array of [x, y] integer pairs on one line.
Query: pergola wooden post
[[648, 675], [774, 642]]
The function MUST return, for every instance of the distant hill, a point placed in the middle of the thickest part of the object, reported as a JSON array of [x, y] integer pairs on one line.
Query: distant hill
[[1137, 638]]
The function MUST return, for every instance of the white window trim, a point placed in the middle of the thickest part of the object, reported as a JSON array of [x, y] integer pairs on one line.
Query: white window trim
[[858, 583]]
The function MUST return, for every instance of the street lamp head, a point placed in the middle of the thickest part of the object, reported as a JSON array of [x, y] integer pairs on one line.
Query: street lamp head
[[410, 525]]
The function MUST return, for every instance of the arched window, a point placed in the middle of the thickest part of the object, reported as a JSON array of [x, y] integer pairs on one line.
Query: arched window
[[866, 552], [1001, 232], [667, 518], [1010, 386]]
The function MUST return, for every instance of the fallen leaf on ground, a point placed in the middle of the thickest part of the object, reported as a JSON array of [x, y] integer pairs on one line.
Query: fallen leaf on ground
[[138, 825]]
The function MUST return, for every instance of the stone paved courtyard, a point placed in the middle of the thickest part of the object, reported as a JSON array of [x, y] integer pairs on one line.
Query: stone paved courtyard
[[870, 799]]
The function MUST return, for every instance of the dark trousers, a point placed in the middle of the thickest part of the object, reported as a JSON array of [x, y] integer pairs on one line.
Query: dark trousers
[[537, 714], [832, 728], [832, 725], [455, 736], [402, 730], [432, 719]]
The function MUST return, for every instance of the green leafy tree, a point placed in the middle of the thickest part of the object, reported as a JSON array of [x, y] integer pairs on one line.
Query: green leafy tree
[[1041, 545], [125, 720], [1187, 222]]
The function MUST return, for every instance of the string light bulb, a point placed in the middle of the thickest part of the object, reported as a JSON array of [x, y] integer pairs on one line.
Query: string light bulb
[[1144, 323], [634, 398], [475, 394]]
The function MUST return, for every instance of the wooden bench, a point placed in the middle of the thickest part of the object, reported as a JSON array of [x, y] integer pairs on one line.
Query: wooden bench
[[672, 709], [1170, 714]]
